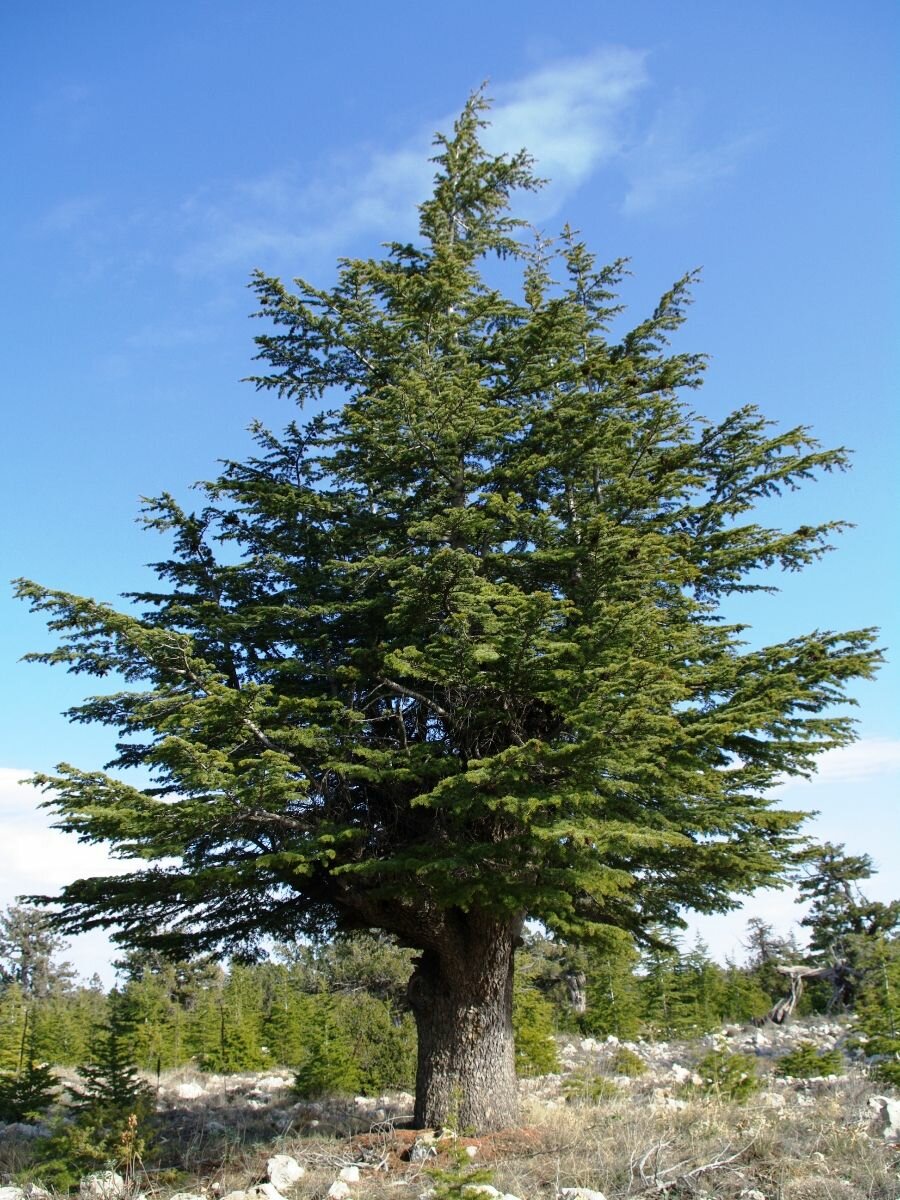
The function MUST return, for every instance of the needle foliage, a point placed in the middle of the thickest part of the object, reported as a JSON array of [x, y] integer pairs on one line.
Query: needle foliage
[[454, 642]]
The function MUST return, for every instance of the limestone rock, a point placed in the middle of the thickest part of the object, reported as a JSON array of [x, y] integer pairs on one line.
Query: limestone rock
[[887, 1111], [263, 1191], [284, 1171], [189, 1091], [349, 1174], [577, 1193], [102, 1185], [11, 1193], [338, 1190]]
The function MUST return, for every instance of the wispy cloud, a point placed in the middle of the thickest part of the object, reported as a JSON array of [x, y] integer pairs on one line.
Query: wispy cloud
[[667, 166], [577, 116], [570, 115], [862, 762]]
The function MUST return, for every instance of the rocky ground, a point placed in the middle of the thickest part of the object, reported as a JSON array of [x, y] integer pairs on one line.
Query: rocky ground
[[591, 1130]]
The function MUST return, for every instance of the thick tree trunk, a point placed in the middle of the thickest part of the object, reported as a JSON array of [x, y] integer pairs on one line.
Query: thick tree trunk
[[461, 996]]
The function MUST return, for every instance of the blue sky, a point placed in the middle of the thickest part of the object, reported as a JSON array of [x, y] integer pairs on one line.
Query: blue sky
[[155, 154]]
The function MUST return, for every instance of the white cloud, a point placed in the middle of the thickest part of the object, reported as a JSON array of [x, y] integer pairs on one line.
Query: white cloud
[[665, 166], [568, 114], [576, 116], [857, 763], [38, 860]]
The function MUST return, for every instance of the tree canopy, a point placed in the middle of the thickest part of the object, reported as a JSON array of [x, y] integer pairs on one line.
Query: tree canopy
[[451, 650]]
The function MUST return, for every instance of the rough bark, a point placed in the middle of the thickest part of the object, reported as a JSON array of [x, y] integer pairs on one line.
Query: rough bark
[[461, 996]]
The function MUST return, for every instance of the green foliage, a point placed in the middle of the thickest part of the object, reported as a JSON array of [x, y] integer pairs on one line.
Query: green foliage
[[452, 653], [626, 1062], [729, 1076], [466, 623], [27, 946], [533, 1023], [110, 1091], [454, 1181], [329, 1065], [844, 924], [878, 1008], [588, 1085], [613, 990], [26, 1096], [806, 1061], [382, 1043]]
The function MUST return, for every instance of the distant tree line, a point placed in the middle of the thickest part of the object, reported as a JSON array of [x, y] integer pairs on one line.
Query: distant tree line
[[338, 1016]]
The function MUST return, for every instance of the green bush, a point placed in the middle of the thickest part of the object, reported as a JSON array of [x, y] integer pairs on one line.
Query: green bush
[[728, 1076], [626, 1062], [533, 1025], [806, 1062], [27, 1094], [587, 1086]]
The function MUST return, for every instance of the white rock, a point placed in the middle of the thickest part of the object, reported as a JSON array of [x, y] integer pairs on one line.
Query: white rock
[[588, 1044], [580, 1194], [339, 1190], [272, 1083], [236, 1195], [472, 1151], [887, 1110], [349, 1174], [481, 1189], [11, 1193], [611, 1040], [187, 1196], [284, 1171], [102, 1185], [263, 1191], [679, 1073], [189, 1091]]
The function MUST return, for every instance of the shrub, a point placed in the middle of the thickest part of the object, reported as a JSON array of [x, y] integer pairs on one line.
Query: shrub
[[806, 1062], [729, 1076], [533, 1025], [626, 1062]]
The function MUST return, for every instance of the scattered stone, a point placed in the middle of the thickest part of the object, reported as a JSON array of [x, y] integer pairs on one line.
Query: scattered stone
[[235, 1195], [887, 1112], [284, 1171], [189, 1091], [102, 1185], [349, 1174], [12, 1193], [481, 1189], [186, 1196], [263, 1191], [338, 1190], [423, 1147], [578, 1193]]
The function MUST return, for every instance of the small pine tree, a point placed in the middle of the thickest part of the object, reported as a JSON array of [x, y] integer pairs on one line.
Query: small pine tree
[[806, 1061], [111, 1089], [329, 1064], [613, 989], [728, 1076], [877, 1012], [534, 1027], [26, 1094]]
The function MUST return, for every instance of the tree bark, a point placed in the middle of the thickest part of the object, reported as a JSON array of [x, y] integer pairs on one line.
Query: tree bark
[[461, 996]]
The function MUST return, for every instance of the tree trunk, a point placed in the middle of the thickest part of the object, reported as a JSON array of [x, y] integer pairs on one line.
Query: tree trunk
[[461, 996]]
